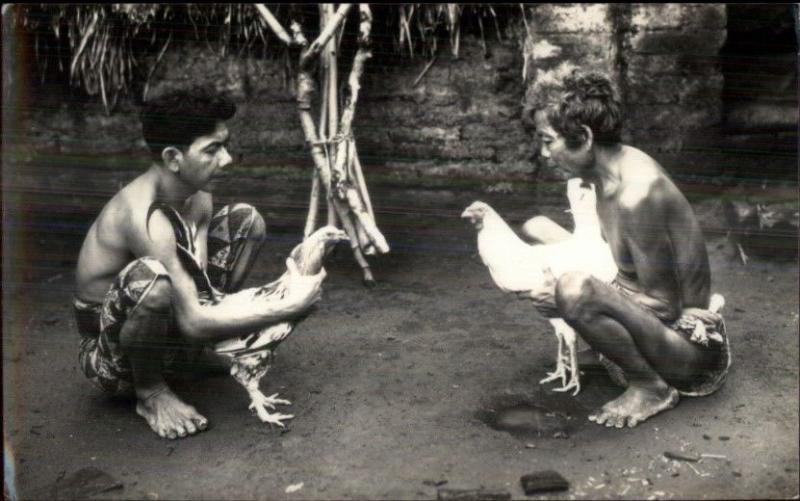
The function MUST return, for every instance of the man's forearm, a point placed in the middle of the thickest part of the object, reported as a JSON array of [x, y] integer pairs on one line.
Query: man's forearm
[[234, 317]]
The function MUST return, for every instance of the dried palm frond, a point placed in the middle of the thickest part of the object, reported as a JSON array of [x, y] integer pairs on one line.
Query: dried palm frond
[[110, 50], [435, 20]]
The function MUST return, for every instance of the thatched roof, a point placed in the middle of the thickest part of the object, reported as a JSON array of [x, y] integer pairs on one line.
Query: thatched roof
[[112, 49]]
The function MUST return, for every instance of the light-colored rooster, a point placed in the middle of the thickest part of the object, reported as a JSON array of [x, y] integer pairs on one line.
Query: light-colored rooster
[[252, 355], [516, 266]]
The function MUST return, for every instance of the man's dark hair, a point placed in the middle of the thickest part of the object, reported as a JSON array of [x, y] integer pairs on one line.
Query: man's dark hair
[[574, 99], [587, 99], [179, 118]]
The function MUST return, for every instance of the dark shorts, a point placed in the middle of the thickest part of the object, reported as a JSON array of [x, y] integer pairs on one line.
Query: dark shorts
[[715, 338], [100, 355]]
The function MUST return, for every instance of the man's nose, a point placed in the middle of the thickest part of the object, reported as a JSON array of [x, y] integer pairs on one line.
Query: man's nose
[[545, 152], [225, 158]]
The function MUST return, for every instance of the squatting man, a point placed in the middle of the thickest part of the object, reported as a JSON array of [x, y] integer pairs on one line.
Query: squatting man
[[138, 309], [644, 326]]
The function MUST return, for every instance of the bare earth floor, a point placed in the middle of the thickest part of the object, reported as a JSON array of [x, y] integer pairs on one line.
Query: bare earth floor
[[400, 388]]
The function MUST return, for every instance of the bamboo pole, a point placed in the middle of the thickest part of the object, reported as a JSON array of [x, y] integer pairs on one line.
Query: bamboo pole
[[316, 46], [345, 189], [332, 80], [362, 184], [313, 205], [274, 24]]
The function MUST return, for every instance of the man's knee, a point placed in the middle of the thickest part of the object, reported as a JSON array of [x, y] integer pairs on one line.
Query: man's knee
[[575, 292], [244, 212], [158, 298], [258, 231]]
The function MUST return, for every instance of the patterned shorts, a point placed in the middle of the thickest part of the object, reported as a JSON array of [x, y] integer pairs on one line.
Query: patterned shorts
[[100, 356], [713, 377]]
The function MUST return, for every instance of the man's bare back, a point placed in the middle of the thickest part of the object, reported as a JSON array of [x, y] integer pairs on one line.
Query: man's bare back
[[651, 203], [106, 249]]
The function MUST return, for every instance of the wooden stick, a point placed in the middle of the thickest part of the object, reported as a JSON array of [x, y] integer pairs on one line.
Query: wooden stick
[[330, 28], [274, 24], [424, 71], [362, 54], [351, 199], [155, 65], [377, 238], [352, 233], [84, 40], [331, 98], [362, 184], [313, 205], [325, 74]]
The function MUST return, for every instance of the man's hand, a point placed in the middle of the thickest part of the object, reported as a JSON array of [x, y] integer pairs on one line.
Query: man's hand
[[303, 290], [543, 298]]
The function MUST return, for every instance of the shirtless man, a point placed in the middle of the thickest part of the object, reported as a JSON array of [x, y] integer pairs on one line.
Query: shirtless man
[[644, 326], [138, 308]]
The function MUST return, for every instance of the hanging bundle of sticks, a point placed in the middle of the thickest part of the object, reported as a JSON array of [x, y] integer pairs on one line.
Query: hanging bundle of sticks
[[337, 169]]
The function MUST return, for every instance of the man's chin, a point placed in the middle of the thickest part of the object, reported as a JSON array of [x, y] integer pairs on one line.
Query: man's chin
[[214, 184]]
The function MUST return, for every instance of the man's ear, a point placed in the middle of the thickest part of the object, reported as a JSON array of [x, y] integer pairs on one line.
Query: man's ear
[[588, 140], [172, 158]]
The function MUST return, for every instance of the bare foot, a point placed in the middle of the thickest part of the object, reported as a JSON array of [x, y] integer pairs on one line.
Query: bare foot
[[636, 405], [168, 416]]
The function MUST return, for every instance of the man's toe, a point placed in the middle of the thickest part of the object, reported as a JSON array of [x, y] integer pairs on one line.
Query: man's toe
[[201, 422]]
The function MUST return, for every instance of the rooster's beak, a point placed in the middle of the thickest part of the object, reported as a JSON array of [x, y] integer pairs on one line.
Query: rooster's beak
[[469, 214]]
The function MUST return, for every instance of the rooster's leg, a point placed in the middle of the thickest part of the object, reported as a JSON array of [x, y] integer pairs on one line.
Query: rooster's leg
[[560, 369], [259, 403], [574, 371], [248, 371]]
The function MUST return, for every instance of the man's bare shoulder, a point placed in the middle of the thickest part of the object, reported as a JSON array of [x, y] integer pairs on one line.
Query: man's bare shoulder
[[126, 207], [645, 185]]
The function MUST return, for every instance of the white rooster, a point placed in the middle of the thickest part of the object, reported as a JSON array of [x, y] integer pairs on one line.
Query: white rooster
[[251, 355], [516, 266]]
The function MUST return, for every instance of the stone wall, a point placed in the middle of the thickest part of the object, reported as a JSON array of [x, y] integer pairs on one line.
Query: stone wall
[[662, 58], [464, 114], [671, 75]]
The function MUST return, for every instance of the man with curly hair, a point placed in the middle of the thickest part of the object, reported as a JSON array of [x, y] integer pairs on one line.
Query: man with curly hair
[[655, 327], [139, 309]]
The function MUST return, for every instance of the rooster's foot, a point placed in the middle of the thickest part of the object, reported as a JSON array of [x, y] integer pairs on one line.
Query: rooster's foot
[[275, 418], [570, 365], [259, 403], [574, 382], [552, 376]]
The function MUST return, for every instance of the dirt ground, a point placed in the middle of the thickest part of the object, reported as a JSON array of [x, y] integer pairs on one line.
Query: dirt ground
[[398, 391]]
